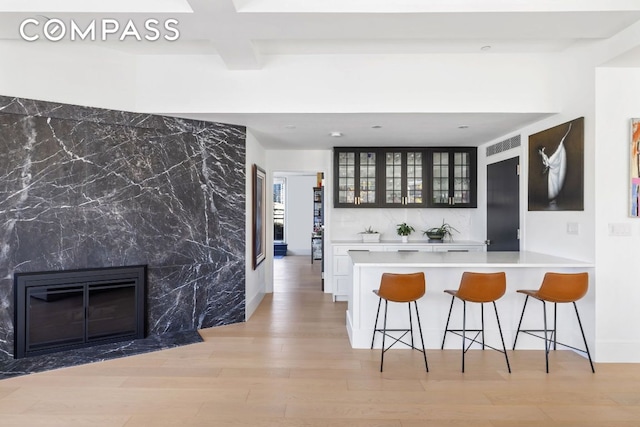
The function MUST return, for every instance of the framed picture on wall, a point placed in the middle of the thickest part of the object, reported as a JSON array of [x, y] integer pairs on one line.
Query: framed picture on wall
[[556, 168], [634, 153], [259, 214]]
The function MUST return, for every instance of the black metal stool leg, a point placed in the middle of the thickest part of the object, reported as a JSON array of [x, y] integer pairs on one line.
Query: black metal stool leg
[[464, 330], [584, 338], [410, 325], [555, 324], [384, 333], [375, 325], [446, 328], [546, 341], [482, 322], [501, 337], [520, 323], [424, 351]]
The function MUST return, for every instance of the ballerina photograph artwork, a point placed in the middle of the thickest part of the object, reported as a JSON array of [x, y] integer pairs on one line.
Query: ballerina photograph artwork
[[556, 168]]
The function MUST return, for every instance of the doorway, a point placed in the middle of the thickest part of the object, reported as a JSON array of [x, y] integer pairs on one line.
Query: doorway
[[503, 205], [294, 209]]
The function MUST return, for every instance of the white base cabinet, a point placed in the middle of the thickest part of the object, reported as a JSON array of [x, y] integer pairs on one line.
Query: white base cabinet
[[341, 274]]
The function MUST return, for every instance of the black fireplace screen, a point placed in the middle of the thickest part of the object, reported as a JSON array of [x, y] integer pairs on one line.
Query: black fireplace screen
[[62, 310]]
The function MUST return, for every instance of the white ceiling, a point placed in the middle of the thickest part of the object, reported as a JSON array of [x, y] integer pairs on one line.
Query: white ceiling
[[313, 131], [244, 31]]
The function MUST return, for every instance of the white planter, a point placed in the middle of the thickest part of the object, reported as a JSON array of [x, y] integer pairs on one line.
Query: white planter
[[405, 239], [370, 237]]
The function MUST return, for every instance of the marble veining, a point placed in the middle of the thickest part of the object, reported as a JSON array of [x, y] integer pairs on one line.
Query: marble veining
[[84, 187]]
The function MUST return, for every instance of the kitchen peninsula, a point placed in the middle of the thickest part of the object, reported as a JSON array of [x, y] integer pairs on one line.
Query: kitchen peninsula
[[443, 270]]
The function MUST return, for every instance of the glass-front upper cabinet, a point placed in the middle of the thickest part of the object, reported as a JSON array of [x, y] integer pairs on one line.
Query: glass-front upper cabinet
[[356, 178], [453, 177], [404, 178]]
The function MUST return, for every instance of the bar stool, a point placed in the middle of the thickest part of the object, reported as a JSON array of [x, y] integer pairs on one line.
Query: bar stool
[[399, 288], [557, 288], [480, 288]]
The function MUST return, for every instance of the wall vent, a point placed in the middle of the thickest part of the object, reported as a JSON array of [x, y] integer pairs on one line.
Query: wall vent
[[505, 145]]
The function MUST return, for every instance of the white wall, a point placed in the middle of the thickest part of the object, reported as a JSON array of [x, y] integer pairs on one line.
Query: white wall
[[260, 280], [299, 213], [545, 231], [69, 73], [349, 83], [618, 269]]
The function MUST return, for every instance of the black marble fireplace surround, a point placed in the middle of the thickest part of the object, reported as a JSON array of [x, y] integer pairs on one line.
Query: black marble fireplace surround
[[85, 188]]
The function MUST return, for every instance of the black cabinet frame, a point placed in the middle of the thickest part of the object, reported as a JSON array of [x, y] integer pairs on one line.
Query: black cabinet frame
[[427, 177]]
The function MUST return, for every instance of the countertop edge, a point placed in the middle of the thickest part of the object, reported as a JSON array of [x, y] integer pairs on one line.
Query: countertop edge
[[464, 260]]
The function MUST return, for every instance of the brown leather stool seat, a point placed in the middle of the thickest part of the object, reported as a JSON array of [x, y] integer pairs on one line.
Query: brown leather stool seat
[[400, 288], [479, 288], [557, 288]]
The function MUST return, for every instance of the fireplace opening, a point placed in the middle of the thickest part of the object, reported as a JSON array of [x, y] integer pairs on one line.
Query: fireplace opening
[[62, 310]]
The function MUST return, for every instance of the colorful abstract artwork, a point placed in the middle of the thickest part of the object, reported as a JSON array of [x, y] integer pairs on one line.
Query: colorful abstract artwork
[[635, 167]]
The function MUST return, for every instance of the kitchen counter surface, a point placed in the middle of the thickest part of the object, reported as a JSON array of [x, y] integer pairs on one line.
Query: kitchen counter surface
[[410, 242], [462, 259]]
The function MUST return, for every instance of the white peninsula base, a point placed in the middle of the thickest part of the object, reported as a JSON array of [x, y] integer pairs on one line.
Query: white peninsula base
[[443, 270]]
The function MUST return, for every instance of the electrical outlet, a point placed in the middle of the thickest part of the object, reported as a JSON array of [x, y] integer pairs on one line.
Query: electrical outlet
[[573, 228]]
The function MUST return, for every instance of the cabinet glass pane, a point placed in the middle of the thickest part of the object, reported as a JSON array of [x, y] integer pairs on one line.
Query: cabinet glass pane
[[367, 183], [462, 179], [393, 181], [440, 181], [414, 178], [346, 177], [441, 158], [367, 177], [440, 189]]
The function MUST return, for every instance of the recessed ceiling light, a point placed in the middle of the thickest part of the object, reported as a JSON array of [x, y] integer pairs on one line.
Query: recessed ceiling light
[[463, 127], [485, 48], [336, 134], [376, 127]]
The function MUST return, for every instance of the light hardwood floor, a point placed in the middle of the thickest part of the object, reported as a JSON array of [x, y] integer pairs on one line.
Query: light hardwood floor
[[291, 365]]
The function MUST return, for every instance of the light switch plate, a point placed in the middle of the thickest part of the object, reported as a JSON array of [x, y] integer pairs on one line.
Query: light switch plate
[[573, 228], [620, 229]]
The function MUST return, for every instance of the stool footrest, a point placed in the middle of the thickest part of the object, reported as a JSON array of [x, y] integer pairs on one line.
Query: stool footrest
[[397, 339], [529, 332], [458, 332]]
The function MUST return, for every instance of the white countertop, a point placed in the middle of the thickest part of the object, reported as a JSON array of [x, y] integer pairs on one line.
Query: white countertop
[[462, 259], [411, 242]]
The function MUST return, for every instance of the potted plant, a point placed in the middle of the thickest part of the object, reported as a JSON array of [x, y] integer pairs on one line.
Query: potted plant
[[404, 230], [369, 235], [440, 233]]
